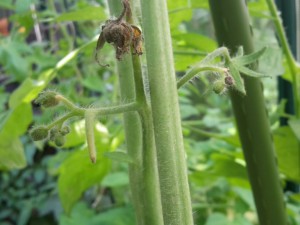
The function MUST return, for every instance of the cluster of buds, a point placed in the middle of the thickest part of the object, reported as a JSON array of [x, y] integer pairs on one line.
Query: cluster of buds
[[57, 133]]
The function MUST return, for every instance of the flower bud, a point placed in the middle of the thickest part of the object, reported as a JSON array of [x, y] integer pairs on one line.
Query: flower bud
[[39, 133], [53, 133], [229, 80], [219, 86], [47, 99], [59, 140], [65, 130]]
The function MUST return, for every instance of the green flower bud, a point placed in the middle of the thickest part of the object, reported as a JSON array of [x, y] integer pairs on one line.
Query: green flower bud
[[219, 86], [65, 130], [47, 99], [39, 133], [53, 133], [59, 140]]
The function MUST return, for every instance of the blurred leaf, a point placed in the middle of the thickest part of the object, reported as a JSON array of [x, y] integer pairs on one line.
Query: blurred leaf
[[115, 179], [178, 13], [195, 41], [94, 83], [77, 135], [118, 156], [82, 215], [217, 219], [240, 220], [288, 152], [12, 155], [7, 4], [14, 125], [86, 13], [12, 58], [25, 213], [295, 126], [199, 4], [187, 111], [23, 5], [246, 195], [227, 166], [117, 216], [27, 91]]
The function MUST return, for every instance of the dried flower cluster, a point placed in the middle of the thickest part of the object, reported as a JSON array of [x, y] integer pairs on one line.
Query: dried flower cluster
[[121, 35]]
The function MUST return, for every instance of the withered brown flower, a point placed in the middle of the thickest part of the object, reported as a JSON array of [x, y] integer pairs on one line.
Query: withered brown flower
[[121, 35]]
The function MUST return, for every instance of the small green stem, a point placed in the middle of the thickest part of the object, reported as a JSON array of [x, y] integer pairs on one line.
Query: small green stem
[[70, 105], [195, 72], [129, 107], [223, 51], [62, 119], [292, 63]]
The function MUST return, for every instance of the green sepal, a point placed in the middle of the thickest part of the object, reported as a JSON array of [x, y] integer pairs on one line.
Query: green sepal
[[248, 59], [245, 70]]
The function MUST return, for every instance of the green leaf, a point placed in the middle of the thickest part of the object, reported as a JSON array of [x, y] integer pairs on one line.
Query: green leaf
[[295, 126], [82, 215], [77, 135], [217, 219], [7, 4], [178, 13], [246, 195], [27, 91], [76, 175], [195, 41], [12, 154], [86, 13], [248, 59], [23, 5], [240, 220], [119, 156], [288, 152], [115, 179], [12, 127]]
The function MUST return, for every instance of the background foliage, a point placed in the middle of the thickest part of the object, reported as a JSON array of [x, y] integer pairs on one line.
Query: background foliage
[[50, 44]]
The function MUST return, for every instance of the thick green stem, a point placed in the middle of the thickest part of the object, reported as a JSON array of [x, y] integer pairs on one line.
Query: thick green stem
[[175, 195], [233, 30], [143, 173]]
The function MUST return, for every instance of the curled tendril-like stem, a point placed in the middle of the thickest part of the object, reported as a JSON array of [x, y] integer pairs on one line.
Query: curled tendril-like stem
[[122, 35]]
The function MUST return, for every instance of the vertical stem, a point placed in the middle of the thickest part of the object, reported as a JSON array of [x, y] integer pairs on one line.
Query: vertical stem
[[232, 30], [172, 169], [289, 56], [143, 172]]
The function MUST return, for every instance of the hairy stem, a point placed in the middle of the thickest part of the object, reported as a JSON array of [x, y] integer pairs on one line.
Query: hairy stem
[[195, 71], [292, 63], [139, 138], [232, 30], [175, 195]]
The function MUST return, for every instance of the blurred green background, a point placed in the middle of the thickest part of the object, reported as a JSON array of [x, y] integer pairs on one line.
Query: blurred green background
[[50, 45]]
